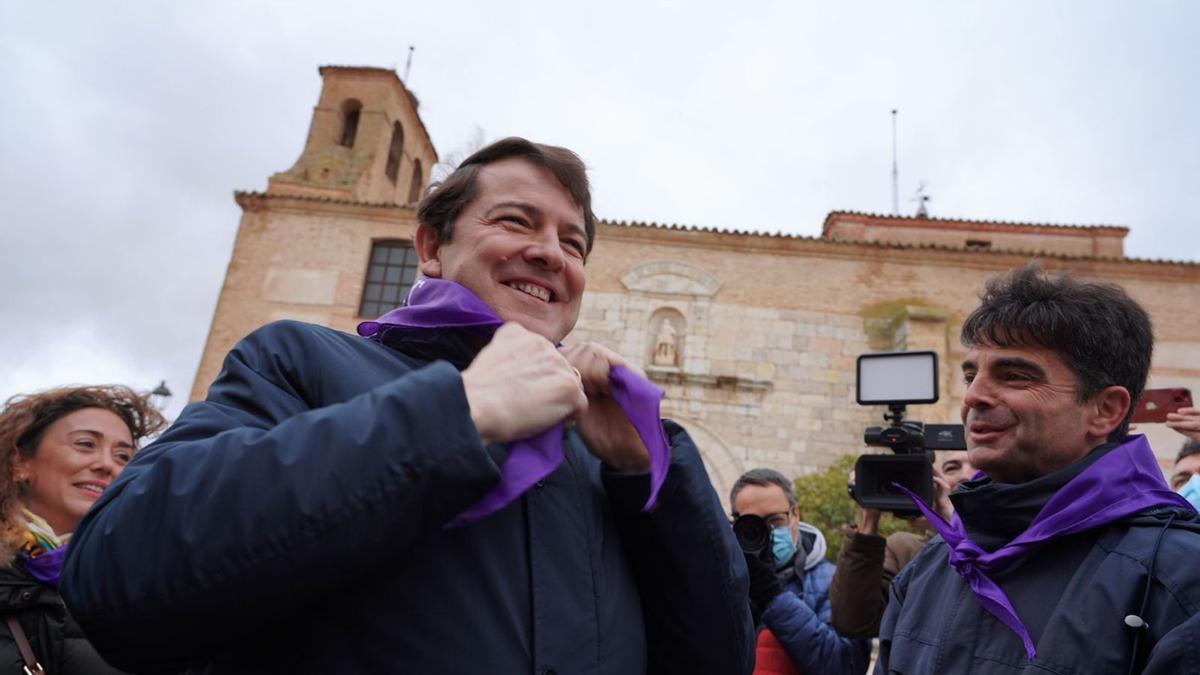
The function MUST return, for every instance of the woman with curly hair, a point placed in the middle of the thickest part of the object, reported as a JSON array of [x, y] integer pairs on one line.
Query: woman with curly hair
[[60, 449]]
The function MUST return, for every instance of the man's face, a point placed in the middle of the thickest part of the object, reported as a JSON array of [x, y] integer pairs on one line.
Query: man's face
[[1021, 415], [956, 467], [769, 503], [1184, 469], [519, 246]]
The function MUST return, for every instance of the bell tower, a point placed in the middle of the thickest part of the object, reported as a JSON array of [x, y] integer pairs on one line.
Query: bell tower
[[366, 142]]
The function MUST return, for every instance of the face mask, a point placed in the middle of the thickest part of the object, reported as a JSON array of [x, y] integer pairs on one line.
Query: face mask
[[782, 545], [1191, 491]]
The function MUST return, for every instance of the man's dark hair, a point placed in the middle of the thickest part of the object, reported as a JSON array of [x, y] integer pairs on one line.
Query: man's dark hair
[[446, 199], [1101, 333], [763, 478], [1190, 448]]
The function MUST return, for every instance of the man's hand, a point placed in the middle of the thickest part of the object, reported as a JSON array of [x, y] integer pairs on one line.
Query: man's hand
[[519, 385], [868, 521], [1186, 421], [603, 425], [764, 585]]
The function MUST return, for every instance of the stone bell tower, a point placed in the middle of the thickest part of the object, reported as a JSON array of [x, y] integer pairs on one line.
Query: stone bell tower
[[366, 143], [330, 240]]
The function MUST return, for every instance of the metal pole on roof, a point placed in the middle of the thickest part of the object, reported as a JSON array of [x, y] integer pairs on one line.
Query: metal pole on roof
[[408, 64], [895, 170]]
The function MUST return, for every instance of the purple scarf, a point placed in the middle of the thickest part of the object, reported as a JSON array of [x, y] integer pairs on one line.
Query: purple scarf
[[47, 566], [437, 303], [1123, 482]]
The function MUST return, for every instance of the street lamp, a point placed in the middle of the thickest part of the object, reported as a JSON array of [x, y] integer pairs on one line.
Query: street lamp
[[160, 396]]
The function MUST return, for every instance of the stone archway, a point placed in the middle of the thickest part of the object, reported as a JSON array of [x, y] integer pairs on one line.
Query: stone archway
[[722, 465]]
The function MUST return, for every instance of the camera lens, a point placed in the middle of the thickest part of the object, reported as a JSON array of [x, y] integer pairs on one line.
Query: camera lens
[[752, 533]]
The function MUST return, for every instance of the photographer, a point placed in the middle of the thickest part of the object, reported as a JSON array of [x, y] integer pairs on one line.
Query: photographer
[[868, 563], [789, 582]]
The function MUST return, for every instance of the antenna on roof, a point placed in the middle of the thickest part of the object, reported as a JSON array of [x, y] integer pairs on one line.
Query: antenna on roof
[[895, 171], [408, 63], [921, 199]]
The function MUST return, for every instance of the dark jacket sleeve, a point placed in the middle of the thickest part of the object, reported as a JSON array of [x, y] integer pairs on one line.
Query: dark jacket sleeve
[[858, 592], [810, 642], [690, 573], [887, 625], [866, 566], [253, 501]]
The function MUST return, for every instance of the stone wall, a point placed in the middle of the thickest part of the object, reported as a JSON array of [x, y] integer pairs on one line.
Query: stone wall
[[764, 330]]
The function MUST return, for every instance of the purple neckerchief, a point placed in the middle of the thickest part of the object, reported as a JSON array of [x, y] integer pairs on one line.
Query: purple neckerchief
[[1125, 481], [47, 566], [437, 303]]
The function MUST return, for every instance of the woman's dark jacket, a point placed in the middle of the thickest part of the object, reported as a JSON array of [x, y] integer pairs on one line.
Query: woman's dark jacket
[[57, 642]]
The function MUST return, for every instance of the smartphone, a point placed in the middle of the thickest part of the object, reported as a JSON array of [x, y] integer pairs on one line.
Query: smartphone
[[1154, 404]]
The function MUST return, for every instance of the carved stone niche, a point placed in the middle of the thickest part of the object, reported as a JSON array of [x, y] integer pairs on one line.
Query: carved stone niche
[[666, 332]]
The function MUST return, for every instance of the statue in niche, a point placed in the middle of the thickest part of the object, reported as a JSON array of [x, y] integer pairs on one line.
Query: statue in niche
[[665, 353]]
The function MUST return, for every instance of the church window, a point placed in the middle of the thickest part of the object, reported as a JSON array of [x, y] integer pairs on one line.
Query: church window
[[414, 190], [390, 274], [350, 113], [394, 152]]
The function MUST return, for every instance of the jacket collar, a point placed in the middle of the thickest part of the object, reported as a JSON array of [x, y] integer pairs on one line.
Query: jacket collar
[[993, 513], [459, 346]]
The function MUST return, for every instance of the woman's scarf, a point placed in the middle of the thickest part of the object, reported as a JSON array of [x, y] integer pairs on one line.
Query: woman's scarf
[[437, 303], [42, 550], [1125, 481]]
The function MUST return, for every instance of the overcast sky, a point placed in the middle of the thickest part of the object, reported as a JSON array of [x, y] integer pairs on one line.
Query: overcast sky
[[126, 127]]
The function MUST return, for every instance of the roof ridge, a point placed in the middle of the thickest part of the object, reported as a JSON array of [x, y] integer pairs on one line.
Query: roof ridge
[[903, 245], [252, 194], [974, 221], [258, 194]]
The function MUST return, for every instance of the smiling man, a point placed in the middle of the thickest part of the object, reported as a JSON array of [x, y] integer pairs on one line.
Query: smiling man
[[1071, 554], [458, 493]]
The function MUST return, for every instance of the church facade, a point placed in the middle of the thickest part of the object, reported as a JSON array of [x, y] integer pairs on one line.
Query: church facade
[[754, 337]]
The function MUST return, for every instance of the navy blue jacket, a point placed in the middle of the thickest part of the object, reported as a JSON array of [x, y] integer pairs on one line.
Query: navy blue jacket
[[1073, 594], [292, 522]]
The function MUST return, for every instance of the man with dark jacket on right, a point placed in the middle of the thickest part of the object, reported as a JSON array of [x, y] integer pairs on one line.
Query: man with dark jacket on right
[[1071, 554]]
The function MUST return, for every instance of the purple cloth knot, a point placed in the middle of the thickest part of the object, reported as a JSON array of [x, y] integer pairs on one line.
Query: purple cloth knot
[[437, 303], [964, 556]]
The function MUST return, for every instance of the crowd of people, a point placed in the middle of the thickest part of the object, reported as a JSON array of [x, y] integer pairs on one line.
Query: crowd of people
[[455, 490]]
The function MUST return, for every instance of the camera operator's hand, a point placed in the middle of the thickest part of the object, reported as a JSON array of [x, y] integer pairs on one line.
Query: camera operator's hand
[[868, 521], [764, 585]]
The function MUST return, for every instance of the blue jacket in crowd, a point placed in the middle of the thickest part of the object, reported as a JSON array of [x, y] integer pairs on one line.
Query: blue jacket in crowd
[[799, 617], [293, 522]]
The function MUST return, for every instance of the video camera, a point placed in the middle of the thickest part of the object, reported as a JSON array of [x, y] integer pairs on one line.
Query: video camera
[[896, 379]]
